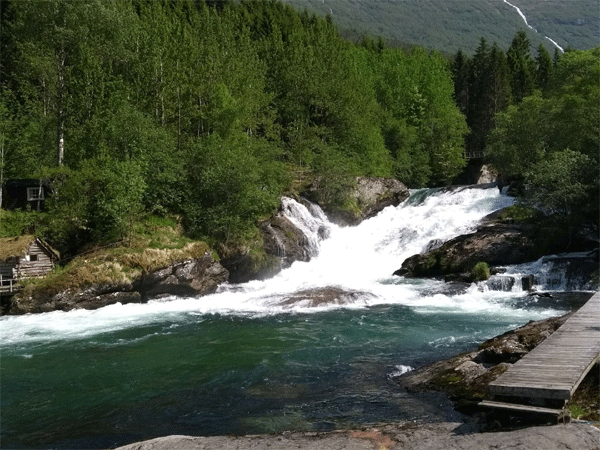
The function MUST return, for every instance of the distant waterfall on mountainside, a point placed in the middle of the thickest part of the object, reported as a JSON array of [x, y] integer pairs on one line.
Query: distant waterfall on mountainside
[[529, 26]]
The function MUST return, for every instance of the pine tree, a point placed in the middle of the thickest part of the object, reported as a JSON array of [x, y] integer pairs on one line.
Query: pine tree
[[522, 67], [460, 77], [477, 118], [544, 68]]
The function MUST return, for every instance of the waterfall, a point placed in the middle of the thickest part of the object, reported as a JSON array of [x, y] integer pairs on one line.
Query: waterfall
[[318, 343], [352, 265], [311, 220], [565, 272], [562, 50]]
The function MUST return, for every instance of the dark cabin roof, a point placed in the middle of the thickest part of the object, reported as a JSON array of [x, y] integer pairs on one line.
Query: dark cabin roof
[[27, 182]]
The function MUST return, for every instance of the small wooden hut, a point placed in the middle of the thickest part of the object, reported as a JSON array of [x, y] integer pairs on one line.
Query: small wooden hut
[[24, 257]]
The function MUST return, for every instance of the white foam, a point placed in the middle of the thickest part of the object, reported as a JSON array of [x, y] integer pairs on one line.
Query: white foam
[[401, 370]]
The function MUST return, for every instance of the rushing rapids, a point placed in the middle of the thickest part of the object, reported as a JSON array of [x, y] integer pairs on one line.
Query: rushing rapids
[[313, 348]]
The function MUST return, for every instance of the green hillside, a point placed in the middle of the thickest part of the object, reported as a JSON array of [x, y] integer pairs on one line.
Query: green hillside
[[448, 25]]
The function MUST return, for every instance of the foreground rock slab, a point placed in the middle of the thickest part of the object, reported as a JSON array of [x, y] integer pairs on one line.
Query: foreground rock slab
[[438, 436]]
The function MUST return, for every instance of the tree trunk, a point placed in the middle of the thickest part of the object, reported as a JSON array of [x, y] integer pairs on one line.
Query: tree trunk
[[60, 126], [1, 172]]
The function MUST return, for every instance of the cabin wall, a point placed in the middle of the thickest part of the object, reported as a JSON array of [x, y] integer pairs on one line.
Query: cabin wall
[[35, 263]]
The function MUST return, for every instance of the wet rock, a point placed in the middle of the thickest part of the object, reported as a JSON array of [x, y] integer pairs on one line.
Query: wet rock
[[368, 196], [92, 297], [325, 296], [284, 240], [190, 278], [283, 243], [245, 263], [496, 244]]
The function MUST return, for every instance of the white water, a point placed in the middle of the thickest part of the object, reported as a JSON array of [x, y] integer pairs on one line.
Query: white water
[[549, 274], [360, 258], [529, 26]]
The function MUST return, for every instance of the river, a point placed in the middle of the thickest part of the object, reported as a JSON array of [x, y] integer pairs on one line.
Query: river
[[257, 357]]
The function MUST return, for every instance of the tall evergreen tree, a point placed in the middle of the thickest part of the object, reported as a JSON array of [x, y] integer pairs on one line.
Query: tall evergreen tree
[[522, 66], [460, 77], [476, 114], [498, 83], [544, 68]]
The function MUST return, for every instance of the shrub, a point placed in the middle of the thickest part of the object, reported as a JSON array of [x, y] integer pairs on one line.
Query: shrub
[[480, 272]]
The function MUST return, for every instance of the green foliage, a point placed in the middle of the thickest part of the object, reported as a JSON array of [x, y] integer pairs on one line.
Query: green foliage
[[562, 183], [519, 139], [97, 203], [230, 184], [423, 129], [522, 66], [552, 142], [519, 213], [480, 272], [17, 223], [204, 111]]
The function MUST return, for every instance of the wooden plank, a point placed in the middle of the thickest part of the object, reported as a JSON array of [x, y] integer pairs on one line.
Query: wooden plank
[[523, 408]]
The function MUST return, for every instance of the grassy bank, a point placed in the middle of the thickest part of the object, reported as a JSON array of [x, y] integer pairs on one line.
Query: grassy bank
[[154, 242]]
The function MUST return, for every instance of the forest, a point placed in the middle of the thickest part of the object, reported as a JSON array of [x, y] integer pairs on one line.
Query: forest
[[209, 111]]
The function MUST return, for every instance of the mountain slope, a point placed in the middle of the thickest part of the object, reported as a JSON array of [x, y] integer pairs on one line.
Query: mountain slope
[[448, 25]]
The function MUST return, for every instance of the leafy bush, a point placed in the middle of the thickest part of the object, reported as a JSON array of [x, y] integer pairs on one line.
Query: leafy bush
[[480, 272], [96, 204], [16, 223]]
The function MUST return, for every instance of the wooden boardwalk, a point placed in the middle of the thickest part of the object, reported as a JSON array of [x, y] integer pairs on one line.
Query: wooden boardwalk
[[551, 372]]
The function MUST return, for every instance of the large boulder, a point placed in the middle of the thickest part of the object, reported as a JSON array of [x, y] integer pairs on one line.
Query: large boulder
[[500, 240], [282, 242], [246, 263], [496, 244], [191, 278], [366, 197]]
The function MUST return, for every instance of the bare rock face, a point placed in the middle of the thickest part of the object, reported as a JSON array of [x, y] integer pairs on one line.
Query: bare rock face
[[284, 240], [368, 196], [487, 174], [283, 244], [244, 264], [191, 278]]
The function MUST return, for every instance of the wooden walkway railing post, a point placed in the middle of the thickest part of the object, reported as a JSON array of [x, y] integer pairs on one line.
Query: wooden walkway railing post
[[7, 285]]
